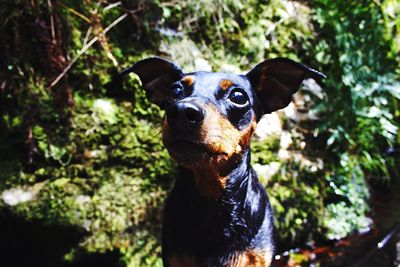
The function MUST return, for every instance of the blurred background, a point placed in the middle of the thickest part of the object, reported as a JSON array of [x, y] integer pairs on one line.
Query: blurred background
[[83, 173]]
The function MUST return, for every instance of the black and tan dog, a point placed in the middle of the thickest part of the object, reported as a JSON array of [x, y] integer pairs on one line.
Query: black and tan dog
[[218, 213]]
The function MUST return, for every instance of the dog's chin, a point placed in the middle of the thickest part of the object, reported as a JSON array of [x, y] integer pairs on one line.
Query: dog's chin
[[189, 154]]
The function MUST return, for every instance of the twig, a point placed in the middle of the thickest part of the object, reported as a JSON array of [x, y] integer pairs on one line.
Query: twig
[[217, 22], [379, 3], [85, 48], [102, 39], [73, 11], [53, 31], [227, 10], [381, 245], [96, 10], [110, 56], [85, 40], [275, 25], [112, 5], [173, 4]]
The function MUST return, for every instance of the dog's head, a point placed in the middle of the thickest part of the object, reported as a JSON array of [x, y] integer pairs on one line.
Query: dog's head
[[210, 117]]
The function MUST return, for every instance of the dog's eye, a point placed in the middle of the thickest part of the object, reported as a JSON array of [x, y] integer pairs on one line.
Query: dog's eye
[[177, 92], [238, 98]]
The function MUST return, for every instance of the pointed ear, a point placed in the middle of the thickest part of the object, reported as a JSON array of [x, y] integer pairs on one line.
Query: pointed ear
[[157, 75], [276, 80]]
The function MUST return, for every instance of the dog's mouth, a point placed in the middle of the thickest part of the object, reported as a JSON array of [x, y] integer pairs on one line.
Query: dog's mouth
[[186, 150], [191, 146]]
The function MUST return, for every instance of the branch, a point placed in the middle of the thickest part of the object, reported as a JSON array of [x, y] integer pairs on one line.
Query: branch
[[73, 11], [85, 48]]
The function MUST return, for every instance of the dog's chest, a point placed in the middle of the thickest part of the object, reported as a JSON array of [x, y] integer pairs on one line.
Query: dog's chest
[[226, 233], [250, 258]]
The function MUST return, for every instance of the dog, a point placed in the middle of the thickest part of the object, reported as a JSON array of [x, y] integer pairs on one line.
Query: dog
[[218, 213]]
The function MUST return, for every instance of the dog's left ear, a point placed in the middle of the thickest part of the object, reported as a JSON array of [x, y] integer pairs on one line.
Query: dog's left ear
[[276, 80], [157, 75]]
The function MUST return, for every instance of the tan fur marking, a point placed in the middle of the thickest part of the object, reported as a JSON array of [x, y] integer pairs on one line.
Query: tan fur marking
[[188, 80], [244, 141], [221, 136], [183, 261], [253, 258], [209, 182], [225, 84], [227, 144]]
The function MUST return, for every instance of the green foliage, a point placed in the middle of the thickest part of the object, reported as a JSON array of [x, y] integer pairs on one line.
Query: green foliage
[[295, 192], [346, 205], [362, 85], [256, 29], [91, 161], [298, 204], [358, 114], [114, 187], [264, 152], [391, 10]]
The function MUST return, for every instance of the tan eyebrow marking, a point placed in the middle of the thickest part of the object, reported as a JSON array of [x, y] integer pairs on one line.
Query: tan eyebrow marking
[[188, 80], [225, 84]]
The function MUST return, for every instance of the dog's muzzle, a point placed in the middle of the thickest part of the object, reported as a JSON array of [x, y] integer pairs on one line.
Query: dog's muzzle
[[185, 115]]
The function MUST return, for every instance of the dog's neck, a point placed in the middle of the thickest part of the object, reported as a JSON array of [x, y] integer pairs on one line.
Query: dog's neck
[[236, 213], [215, 178]]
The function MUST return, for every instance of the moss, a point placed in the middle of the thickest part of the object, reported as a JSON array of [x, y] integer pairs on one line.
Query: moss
[[297, 197], [264, 152], [296, 193], [109, 180]]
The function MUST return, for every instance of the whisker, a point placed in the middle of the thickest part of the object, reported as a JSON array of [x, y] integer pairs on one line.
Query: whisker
[[155, 131]]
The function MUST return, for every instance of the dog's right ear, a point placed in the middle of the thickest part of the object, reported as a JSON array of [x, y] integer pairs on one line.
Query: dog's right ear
[[157, 75], [276, 80]]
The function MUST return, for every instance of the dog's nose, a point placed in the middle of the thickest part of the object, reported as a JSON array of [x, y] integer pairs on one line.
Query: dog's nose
[[187, 113]]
